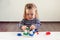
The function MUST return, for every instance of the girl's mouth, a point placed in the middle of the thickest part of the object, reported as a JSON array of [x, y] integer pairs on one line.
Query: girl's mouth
[[30, 18]]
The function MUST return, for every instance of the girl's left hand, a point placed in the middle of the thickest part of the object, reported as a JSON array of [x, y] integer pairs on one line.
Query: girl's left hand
[[32, 27]]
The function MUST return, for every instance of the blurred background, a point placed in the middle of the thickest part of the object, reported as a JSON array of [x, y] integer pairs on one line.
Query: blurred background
[[11, 13]]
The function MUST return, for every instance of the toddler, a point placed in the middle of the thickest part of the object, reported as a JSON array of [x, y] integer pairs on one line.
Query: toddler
[[30, 17]]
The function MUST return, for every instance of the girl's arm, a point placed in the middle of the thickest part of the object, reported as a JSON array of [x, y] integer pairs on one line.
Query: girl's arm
[[37, 24], [21, 23]]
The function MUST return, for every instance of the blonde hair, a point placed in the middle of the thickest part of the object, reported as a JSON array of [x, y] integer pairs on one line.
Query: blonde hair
[[30, 6]]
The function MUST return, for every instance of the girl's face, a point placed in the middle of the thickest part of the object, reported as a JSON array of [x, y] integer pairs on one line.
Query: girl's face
[[30, 14]]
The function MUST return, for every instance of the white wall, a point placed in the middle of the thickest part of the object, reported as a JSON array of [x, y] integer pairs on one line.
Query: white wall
[[12, 10]]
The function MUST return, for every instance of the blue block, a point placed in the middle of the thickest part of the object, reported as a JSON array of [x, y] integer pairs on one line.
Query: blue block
[[19, 34], [36, 30], [31, 34]]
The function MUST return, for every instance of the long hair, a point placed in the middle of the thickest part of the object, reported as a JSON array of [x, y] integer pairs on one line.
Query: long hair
[[30, 6]]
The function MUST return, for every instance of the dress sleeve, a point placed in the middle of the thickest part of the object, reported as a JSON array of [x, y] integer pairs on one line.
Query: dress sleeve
[[21, 23], [37, 24]]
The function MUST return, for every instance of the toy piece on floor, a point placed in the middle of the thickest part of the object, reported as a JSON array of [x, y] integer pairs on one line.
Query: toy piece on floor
[[36, 31], [48, 33], [19, 34], [31, 33], [25, 32]]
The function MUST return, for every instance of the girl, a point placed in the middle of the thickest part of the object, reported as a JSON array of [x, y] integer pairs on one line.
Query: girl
[[30, 17]]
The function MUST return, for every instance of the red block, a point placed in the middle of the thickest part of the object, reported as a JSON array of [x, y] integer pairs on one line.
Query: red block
[[37, 33], [48, 33]]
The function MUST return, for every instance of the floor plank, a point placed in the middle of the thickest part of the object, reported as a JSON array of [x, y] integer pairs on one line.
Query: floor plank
[[13, 27]]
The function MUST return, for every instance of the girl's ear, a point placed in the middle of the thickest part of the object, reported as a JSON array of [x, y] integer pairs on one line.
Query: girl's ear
[[36, 14]]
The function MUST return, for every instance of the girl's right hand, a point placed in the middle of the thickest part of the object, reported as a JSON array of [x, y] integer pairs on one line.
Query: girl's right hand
[[23, 27]]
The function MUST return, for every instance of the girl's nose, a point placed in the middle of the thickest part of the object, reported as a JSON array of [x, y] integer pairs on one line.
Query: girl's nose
[[30, 15]]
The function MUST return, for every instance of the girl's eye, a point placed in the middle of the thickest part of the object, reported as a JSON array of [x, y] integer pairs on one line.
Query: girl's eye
[[29, 14]]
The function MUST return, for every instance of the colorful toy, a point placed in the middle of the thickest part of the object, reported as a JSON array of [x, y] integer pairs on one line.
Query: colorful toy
[[19, 34], [37, 33], [27, 28], [25, 32], [28, 32], [36, 30], [31, 33], [48, 33]]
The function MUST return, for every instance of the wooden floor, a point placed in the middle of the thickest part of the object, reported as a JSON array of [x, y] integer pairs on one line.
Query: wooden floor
[[13, 27]]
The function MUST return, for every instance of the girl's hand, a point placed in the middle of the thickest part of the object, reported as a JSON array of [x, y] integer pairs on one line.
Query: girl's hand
[[32, 27], [23, 27]]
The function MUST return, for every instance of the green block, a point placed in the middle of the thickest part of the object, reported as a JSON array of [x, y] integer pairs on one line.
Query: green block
[[25, 33], [27, 28]]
